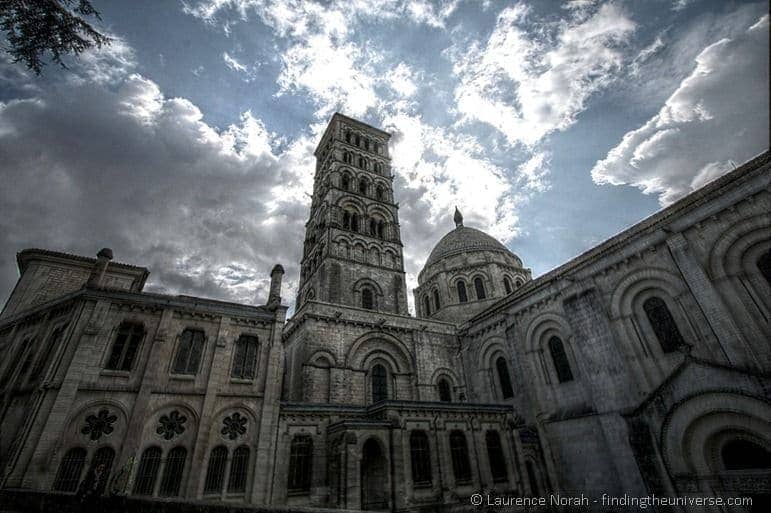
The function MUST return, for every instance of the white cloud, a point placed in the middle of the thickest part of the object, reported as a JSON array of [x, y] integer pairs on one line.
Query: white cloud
[[232, 63], [528, 85], [109, 160], [719, 112]]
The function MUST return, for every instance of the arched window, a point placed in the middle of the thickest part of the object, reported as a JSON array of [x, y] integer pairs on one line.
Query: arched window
[[147, 472], [426, 305], [420, 454], [379, 193], [459, 451], [663, 324], [189, 352], [104, 456], [479, 287], [361, 162], [366, 143], [503, 376], [372, 227], [125, 347], [495, 457], [348, 136], [381, 229], [560, 359], [347, 158], [300, 460], [437, 304], [507, 284], [517, 283], [355, 222], [346, 220], [68, 476], [215, 473], [444, 390], [379, 383], [764, 264], [245, 357], [172, 473], [745, 455], [362, 186], [239, 468], [462, 296], [345, 182], [358, 140], [367, 299]]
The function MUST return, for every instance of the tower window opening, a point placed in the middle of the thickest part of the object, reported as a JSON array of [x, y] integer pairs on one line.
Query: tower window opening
[[503, 376], [560, 359], [462, 296], [443, 386], [663, 324], [379, 193], [346, 220], [372, 227], [362, 186], [426, 306], [507, 284], [379, 383], [355, 222], [764, 265], [437, 304], [460, 462], [367, 299], [381, 230], [345, 182], [479, 287]]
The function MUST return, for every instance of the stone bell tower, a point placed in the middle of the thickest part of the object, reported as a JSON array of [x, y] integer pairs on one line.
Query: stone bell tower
[[352, 254]]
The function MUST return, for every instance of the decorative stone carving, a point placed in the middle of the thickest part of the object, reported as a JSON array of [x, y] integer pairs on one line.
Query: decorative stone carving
[[171, 425], [233, 426], [99, 424]]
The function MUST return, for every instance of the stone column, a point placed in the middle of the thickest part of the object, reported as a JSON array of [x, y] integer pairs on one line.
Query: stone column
[[731, 345]]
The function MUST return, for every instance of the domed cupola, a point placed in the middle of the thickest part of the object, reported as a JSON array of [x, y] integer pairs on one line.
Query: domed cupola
[[466, 271]]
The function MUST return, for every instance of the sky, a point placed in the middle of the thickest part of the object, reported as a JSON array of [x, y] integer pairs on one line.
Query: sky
[[186, 145]]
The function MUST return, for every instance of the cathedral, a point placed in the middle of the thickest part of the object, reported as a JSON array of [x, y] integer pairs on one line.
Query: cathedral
[[641, 367]]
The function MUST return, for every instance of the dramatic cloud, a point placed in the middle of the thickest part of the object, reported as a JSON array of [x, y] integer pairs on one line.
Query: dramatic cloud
[[715, 120], [126, 167], [527, 84]]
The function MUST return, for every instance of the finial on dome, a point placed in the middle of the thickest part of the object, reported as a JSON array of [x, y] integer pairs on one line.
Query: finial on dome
[[458, 218]]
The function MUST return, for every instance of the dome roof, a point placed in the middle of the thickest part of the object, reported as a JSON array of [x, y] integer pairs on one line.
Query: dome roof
[[464, 239]]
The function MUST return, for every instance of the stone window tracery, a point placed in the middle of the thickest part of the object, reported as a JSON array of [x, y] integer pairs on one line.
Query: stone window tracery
[[234, 426], [663, 324], [171, 425], [99, 424]]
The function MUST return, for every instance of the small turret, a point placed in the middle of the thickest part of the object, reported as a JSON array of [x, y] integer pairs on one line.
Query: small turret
[[274, 297], [96, 278], [458, 217]]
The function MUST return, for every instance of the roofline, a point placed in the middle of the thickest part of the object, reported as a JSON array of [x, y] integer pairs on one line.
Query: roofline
[[338, 115], [658, 219], [23, 255]]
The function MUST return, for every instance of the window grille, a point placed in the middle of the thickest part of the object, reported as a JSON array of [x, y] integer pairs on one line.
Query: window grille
[[239, 468], [147, 472], [172, 473], [300, 460], [420, 455], [215, 473], [68, 476]]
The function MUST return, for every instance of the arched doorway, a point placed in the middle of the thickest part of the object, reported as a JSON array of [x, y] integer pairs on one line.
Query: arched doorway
[[373, 477], [746, 463]]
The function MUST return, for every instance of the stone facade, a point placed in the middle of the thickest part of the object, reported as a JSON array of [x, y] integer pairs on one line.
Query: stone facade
[[642, 366]]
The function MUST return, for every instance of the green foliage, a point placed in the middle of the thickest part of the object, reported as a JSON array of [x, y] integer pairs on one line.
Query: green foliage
[[35, 27]]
